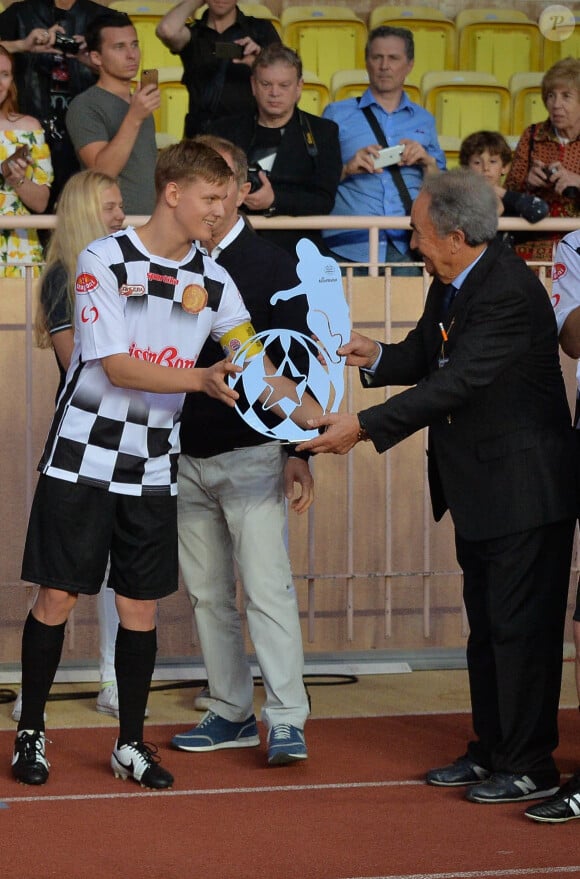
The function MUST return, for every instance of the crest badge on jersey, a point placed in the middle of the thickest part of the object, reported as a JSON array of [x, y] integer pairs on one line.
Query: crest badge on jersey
[[194, 298]]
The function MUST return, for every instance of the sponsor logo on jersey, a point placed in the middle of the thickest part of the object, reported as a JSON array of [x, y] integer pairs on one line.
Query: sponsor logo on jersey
[[132, 290], [89, 314], [85, 283], [164, 279], [555, 300], [168, 356], [558, 271]]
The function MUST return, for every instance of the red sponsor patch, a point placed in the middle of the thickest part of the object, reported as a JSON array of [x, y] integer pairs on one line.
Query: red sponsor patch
[[558, 271], [555, 300], [89, 314], [85, 283]]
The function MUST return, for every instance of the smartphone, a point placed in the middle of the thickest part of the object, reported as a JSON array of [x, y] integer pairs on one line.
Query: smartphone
[[228, 50], [21, 152], [389, 156], [149, 77]]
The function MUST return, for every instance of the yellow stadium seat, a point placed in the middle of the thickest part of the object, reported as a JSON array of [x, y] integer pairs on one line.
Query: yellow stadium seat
[[555, 50], [315, 95], [170, 117], [498, 41], [327, 38], [466, 101], [527, 104], [257, 10], [348, 83], [145, 15], [433, 35], [450, 146], [142, 7]]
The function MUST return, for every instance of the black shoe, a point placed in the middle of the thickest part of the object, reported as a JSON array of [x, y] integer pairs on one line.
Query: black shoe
[[29, 765], [508, 787], [461, 772], [140, 761], [563, 806]]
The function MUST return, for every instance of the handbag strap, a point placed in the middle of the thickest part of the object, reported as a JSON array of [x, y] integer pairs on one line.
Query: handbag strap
[[395, 171]]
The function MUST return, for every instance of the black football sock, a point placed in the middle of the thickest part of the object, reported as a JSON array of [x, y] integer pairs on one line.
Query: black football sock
[[134, 663], [41, 651]]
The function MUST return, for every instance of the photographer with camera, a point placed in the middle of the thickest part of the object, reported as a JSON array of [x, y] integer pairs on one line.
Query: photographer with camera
[[546, 161], [294, 157], [52, 66], [217, 52]]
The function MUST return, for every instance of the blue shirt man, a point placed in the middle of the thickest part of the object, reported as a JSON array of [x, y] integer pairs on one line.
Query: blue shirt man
[[364, 190]]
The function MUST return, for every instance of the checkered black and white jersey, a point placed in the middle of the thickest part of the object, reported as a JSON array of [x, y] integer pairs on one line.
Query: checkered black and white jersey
[[566, 283], [130, 301]]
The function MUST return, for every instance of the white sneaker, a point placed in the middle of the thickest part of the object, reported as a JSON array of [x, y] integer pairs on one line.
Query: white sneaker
[[201, 701], [108, 701], [140, 761], [17, 710]]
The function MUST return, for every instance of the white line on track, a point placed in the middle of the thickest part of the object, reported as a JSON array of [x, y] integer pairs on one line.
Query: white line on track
[[481, 874], [211, 792]]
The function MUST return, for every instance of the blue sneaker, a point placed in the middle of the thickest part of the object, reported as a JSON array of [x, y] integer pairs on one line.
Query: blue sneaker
[[214, 732], [285, 744]]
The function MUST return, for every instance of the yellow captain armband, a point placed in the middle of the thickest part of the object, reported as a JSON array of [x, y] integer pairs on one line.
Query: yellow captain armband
[[237, 338]]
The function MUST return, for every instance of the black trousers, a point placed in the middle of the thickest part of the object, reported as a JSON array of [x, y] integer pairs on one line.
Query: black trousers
[[515, 592]]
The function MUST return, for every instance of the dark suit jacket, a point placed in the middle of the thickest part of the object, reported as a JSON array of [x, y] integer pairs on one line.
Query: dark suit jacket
[[501, 446], [303, 184]]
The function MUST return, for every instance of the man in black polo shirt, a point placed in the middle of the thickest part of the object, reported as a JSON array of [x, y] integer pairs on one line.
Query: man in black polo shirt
[[218, 85], [232, 488]]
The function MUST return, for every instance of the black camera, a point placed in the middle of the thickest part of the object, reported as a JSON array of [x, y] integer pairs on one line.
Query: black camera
[[254, 177], [66, 44], [530, 207]]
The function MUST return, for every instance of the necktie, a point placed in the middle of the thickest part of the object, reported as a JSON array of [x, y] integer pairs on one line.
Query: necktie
[[447, 298]]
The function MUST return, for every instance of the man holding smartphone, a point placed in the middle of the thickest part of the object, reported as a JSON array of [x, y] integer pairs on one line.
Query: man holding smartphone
[[217, 53], [111, 127]]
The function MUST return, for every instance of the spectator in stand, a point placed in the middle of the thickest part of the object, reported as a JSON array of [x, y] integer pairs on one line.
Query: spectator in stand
[[111, 128], [294, 157], [218, 81], [488, 153], [383, 116], [48, 78], [546, 161], [25, 182]]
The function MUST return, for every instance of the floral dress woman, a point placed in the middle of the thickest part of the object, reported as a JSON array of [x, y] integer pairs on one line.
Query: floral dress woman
[[22, 245]]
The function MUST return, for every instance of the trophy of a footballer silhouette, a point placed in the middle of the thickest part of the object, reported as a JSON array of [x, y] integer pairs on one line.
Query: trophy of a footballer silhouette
[[303, 364]]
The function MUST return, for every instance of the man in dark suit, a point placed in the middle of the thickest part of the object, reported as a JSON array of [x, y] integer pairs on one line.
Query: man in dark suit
[[486, 380], [294, 156]]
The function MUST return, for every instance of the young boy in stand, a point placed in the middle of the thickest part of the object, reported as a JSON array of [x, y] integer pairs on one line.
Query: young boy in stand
[[146, 301], [488, 153]]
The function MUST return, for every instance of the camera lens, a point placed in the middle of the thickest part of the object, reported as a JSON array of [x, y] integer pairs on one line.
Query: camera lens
[[571, 192]]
